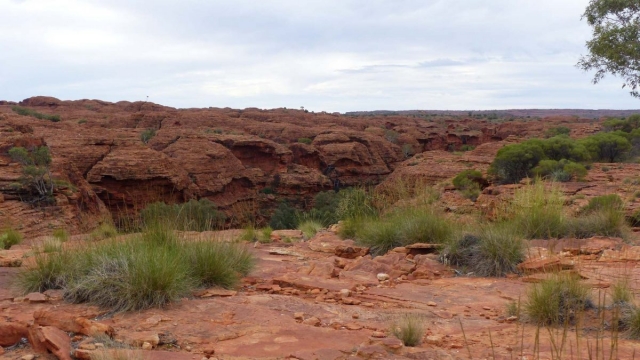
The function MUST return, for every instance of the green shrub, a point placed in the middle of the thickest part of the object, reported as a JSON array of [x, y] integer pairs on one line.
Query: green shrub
[[50, 245], [558, 130], [603, 222], [29, 112], [606, 147], [515, 162], [194, 215], [563, 147], [9, 238], [214, 263], [147, 135], [61, 234], [82, 121], [467, 147], [284, 217], [557, 300], [265, 234], [409, 329], [325, 205], [470, 182], [305, 140], [379, 235], [562, 171], [309, 228], [36, 173]]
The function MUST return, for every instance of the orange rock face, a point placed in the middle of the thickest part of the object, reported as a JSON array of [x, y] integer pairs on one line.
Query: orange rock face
[[237, 158]]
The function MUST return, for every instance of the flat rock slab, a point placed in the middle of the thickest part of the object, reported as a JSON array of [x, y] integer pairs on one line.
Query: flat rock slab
[[215, 292], [309, 283]]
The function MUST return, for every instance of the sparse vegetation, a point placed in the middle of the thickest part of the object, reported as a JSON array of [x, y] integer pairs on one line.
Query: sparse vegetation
[[621, 292], [470, 182], [29, 112], [36, 176], [150, 270], [105, 230], [61, 234], [557, 130], [409, 329], [9, 238], [147, 135], [305, 140], [194, 215], [284, 217], [309, 228], [557, 300]]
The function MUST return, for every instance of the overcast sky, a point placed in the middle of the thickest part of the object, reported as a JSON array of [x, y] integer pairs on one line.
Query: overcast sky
[[333, 55]]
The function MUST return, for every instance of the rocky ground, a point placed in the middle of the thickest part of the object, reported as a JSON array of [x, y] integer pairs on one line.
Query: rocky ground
[[326, 299]]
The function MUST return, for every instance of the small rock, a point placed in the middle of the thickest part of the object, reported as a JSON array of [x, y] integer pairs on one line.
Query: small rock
[[382, 277], [434, 340], [431, 303], [36, 297], [511, 318], [367, 304], [28, 357], [146, 346], [315, 291], [353, 326], [345, 293], [188, 348], [87, 346], [298, 316], [313, 321], [209, 350], [351, 301], [378, 334], [486, 308], [355, 316], [99, 345]]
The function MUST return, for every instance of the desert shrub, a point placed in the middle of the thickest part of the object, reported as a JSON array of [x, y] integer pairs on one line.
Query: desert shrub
[[391, 136], [305, 141], [515, 162], [36, 173], [557, 130], [29, 112], [409, 329], [48, 272], [194, 215], [495, 250], [325, 204], [407, 151], [147, 135], [61, 234], [606, 147], [310, 227], [604, 222], [557, 300], [9, 238], [467, 147], [470, 182], [284, 217], [82, 121], [561, 171], [563, 147]]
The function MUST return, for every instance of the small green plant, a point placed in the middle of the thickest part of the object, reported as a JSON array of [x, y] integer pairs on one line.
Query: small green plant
[[511, 308], [557, 300], [284, 217], [470, 182], [408, 151], [147, 135], [36, 173], [558, 130], [630, 320], [465, 148], [391, 136], [29, 112], [105, 230], [9, 238], [265, 235], [621, 292], [194, 215], [50, 245], [536, 212], [61, 234], [409, 329], [309, 228], [82, 121], [305, 140]]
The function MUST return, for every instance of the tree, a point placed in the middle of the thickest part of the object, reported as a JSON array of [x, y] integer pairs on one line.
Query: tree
[[615, 46], [606, 147], [36, 172]]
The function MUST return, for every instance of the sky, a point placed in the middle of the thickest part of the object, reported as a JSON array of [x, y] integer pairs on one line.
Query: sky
[[324, 55]]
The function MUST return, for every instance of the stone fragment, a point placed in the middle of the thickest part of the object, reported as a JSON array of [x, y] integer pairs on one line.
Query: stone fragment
[[28, 357], [434, 340], [350, 252], [382, 277], [51, 339], [11, 333], [146, 346], [431, 303], [313, 321], [378, 334], [215, 292], [36, 297], [345, 293]]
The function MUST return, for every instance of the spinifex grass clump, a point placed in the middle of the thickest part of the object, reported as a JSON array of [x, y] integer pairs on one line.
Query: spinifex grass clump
[[9, 238], [404, 227], [495, 251], [310, 228], [536, 212], [194, 215], [557, 300], [409, 328], [150, 270]]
